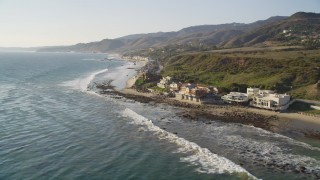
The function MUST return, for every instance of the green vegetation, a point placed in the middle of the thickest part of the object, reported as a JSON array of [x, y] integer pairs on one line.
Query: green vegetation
[[144, 84], [303, 107], [307, 92], [281, 55], [299, 29], [158, 89], [149, 82], [281, 70]]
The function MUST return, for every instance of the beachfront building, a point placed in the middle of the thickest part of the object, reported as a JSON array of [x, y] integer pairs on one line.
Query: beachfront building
[[235, 97], [192, 92], [267, 99], [265, 92], [174, 86], [252, 91], [164, 82], [214, 90], [135, 58]]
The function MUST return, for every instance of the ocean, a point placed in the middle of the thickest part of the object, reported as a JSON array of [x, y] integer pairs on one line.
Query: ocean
[[53, 127]]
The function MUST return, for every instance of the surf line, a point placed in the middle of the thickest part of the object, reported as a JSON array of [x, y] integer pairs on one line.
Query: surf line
[[82, 83], [210, 162]]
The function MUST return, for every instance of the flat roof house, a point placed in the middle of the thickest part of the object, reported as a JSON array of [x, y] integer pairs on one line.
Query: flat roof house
[[192, 92], [252, 91], [235, 97], [267, 99]]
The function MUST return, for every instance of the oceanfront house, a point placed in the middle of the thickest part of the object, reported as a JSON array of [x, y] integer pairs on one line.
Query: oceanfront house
[[192, 92], [214, 90], [236, 97], [174, 86], [164, 82], [267, 99], [265, 92], [136, 58], [252, 91]]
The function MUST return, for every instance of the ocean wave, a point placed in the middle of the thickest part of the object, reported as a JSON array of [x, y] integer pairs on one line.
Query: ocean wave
[[263, 147], [121, 74], [286, 139], [208, 161], [82, 83], [218, 130], [272, 153]]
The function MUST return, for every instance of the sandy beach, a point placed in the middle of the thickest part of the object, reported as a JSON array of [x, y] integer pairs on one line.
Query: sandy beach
[[130, 82]]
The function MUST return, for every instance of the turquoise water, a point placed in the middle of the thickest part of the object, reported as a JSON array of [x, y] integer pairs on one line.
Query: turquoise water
[[51, 127]]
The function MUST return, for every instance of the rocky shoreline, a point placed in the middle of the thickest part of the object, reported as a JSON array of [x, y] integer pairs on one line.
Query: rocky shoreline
[[225, 113], [207, 113]]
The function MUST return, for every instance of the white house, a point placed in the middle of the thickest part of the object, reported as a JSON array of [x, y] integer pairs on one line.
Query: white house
[[174, 86], [252, 91], [164, 82], [265, 92], [235, 97], [267, 99]]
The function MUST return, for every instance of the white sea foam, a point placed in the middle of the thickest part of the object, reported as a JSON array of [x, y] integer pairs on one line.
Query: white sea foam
[[263, 146], [289, 140], [271, 152], [208, 161], [82, 83], [216, 130], [120, 75]]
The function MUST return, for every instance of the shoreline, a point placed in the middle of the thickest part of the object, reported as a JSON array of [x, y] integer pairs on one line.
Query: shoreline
[[283, 123], [125, 75], [294, 126], [132, 80]]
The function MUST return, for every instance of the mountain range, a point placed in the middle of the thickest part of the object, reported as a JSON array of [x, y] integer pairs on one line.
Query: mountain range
[[279, 53], [273, 31]]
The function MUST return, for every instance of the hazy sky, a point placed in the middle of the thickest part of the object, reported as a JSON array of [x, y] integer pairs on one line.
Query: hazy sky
[[63, 22]]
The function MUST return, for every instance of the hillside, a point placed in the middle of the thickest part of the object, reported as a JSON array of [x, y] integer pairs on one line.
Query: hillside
[[299, 29], [208, 35], [280, 70], [101, 46], [279, 53]]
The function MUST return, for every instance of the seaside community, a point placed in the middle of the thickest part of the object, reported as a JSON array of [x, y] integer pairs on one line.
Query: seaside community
[[255, 97], [202, 94]]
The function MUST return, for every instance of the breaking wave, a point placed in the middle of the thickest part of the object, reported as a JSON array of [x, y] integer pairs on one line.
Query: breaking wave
[[208, 161], [82, 83], [265, 148]]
